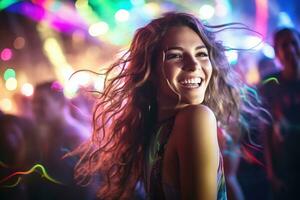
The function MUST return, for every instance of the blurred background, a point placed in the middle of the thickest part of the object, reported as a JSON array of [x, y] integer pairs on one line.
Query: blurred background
[[43, 40], [46, 108]]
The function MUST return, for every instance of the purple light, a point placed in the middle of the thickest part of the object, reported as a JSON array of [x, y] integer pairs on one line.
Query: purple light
[[64, 20], [37, 13]]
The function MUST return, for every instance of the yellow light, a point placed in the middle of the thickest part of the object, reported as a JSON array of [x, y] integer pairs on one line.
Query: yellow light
[[252, 76], [54, 51], [56, 56], [152, 8], [11, 84], [27, 89], [81, 3], [6, 105], [66, 73], [99, 28]]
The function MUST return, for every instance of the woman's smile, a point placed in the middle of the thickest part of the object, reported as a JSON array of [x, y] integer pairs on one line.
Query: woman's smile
[[191, 82]]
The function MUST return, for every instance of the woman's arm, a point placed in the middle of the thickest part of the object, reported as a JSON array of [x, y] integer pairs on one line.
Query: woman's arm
[[197, 147]]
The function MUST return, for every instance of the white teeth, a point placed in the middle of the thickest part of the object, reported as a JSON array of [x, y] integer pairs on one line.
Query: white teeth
[[191, 81]]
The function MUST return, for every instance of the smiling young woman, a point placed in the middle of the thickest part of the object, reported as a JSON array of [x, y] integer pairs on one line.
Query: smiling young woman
[[156, 121]]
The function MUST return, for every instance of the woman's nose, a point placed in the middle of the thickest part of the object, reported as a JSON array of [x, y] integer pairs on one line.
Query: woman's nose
[[190, 63]]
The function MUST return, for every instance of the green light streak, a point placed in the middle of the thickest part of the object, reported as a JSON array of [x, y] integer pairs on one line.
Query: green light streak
[[15, 184], [270, 79], [41, 171]]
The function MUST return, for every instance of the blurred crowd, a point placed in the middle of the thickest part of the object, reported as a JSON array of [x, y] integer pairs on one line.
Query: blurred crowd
[[47, 127]]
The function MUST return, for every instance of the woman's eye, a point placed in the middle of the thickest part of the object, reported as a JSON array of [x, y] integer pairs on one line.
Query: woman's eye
[[173, 56], [201, 54]]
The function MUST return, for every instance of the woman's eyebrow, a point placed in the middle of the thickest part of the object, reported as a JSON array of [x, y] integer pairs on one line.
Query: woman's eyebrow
[[174, 48], [201, 47], [180, 48]]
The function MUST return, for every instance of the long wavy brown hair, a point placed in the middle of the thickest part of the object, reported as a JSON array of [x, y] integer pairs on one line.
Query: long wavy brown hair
[[126, 110]]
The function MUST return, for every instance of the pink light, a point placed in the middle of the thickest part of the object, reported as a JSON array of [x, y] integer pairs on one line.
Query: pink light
[[6, 54], [39, 2], [56, 86], [261, 16]]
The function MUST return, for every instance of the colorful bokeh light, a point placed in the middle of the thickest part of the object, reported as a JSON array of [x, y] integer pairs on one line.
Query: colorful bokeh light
[[9, 73], [122, 15], [268, 51], [11, 84], [70, 89], [99, 28], [232, 56], [206, 12], [6, 54], [6, 104], [19, 43], [27, 89]]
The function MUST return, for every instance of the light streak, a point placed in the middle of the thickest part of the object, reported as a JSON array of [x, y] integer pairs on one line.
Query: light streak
[[15, 184], [42, 171], [270, 79]]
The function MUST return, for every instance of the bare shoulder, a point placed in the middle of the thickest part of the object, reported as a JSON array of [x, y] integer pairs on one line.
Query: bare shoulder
[[195, 124], [195, 115], [196, 144]]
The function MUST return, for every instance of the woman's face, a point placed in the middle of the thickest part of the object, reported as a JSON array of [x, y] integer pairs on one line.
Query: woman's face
[[183, 68]]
